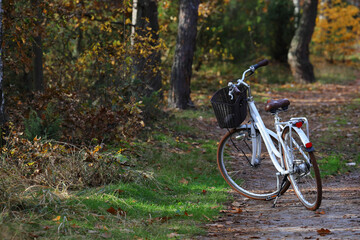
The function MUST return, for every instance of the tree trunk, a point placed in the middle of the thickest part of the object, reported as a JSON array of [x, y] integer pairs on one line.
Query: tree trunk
[[133, 20], [296, 11], [147, 69], [37, 49], [2, 99], [298, 56], [181, 72]]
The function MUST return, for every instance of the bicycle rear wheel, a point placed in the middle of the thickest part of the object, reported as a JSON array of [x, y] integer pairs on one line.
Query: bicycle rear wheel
[[234, 161], [304, 171]]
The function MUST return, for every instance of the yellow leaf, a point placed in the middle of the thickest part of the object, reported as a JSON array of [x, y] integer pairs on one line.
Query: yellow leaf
[[128, 21], [57, 219]]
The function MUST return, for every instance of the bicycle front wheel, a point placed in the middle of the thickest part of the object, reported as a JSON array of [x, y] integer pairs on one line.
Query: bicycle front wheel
[[234, 158], [304, 171]]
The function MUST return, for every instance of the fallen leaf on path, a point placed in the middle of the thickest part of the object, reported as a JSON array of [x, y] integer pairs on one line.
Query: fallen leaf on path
[[236, 204], [320, 212], [33, 235], [101, 227], [158, 219], [186, 214], [323, 231], [106, 235], [216, 225], [57, 219], [113, 211], [234, 210], [172, 235], [237, 210], [119, 191], [75, 226], [207, 217], [217, 206], [184, 181], [164, 219]]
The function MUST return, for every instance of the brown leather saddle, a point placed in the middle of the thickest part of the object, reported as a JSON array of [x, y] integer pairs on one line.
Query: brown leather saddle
[[274, 106]]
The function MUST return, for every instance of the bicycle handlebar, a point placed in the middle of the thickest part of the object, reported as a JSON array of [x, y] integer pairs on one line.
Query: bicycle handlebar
[[262, 63], [251, 69]]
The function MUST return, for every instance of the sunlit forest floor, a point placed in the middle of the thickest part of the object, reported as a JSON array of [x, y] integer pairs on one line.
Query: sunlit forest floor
[[169, 186]]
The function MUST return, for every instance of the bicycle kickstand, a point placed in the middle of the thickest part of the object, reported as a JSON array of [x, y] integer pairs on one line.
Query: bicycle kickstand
[[283, 183]]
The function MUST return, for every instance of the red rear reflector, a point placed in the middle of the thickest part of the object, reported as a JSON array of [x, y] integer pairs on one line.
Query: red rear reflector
[[299, 124], [308, 145]]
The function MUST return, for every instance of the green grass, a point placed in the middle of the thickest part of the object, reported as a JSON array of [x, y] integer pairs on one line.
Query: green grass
[[335, 164], [327, 73], [172, 189], [331, 165]]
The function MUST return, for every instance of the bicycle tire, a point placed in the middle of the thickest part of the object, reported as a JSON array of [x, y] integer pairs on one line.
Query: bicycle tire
[[233, 155], [305, 178]]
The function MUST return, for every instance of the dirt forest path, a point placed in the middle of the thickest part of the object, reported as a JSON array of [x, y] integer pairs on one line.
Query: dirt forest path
[[339, 214]]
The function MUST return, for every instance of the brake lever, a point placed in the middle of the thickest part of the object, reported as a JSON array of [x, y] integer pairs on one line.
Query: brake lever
[[231, 89]]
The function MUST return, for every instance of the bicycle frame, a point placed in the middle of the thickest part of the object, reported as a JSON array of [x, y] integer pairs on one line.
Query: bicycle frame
[[265, 133], [275, 154]]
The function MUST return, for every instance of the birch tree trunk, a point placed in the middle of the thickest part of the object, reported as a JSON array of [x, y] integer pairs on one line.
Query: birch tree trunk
[[181, 72], [298, 56], [296, 12]]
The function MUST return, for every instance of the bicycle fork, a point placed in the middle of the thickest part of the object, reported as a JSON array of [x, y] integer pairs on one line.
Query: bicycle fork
[[256, 147]]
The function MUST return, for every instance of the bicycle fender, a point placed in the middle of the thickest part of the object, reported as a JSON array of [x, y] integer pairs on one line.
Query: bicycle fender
[[304, 139]]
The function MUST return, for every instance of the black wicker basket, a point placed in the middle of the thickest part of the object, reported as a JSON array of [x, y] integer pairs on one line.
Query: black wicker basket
[[230, 113]]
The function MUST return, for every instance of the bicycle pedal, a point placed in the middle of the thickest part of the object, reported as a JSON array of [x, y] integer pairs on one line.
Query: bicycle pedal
[[269, 198]]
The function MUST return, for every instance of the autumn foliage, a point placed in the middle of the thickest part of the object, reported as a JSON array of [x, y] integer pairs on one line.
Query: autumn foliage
[[337, 29], [92, 94], [89, 54]]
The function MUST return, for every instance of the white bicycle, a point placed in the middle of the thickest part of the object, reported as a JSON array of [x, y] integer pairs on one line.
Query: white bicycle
[[257, 162]]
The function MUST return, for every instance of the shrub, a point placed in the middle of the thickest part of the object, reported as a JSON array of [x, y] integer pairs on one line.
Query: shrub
[[47, 126]]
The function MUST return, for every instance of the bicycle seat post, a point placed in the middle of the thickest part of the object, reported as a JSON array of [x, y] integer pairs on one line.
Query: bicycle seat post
[[277, 119]]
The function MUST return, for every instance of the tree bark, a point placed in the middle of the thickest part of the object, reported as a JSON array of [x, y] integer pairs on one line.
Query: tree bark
[[181, 72], [147, 69], [298, 56], [37, 49], [2, 99]]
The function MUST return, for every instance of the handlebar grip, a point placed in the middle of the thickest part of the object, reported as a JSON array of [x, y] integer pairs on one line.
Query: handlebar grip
[[262, 63]]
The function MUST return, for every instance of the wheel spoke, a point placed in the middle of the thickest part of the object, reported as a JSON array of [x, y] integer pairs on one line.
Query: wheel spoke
[[234, 161], [304, 172]]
